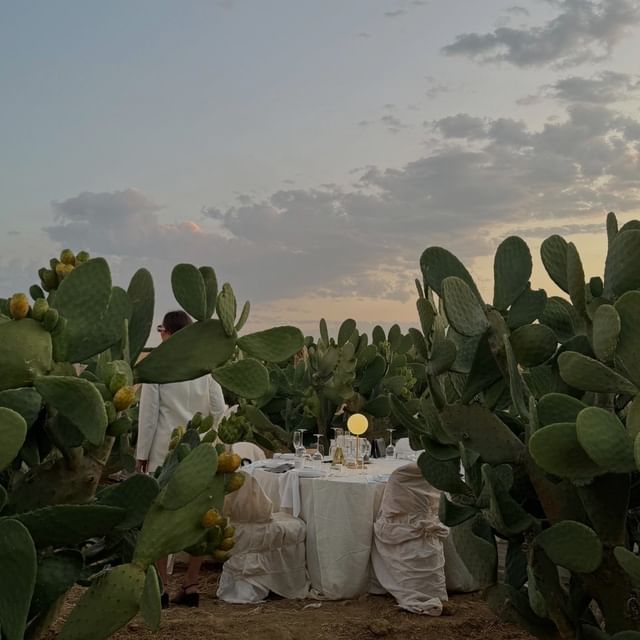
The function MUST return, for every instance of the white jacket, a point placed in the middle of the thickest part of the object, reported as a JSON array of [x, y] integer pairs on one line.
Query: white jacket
[[163, 407]]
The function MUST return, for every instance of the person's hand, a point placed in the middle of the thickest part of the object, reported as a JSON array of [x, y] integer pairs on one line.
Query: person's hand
[[142, 466]]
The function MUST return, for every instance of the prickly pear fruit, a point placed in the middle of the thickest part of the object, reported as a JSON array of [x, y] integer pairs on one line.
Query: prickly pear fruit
[[220, 556], [50, 319], [210, 436], [206, 424], [19, 306], [63, 270], [229, 532], [234, 482], [82, 256], [124, 398], [228, 462], [196, 421], [48, 279], [121, 426], [210, 518], [220, 448], [40, 307], [68, 257], [233, 428], [117, 382], [227, 544]]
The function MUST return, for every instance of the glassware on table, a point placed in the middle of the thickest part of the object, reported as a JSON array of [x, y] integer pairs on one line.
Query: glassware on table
[[318, 456], [298, 443], [365, 450], [390, 451], [337, 452]]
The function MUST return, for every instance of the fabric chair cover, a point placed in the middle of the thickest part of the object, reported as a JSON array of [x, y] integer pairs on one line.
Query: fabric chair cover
[[269, 554], [248, 451], [403, 446], [407, 554]]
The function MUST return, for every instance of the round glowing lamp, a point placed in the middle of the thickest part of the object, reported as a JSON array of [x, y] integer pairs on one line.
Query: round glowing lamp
[[357, 424]]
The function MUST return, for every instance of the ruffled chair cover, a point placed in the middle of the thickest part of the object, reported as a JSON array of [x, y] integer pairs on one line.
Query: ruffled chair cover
[[248, 451], [407, 554], [269, 554]]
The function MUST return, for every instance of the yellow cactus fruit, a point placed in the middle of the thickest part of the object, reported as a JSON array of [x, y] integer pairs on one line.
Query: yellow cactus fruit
[[210, 518], [228, 462], [124, 397], [63, 270], [235, 481], [19, 306], [82, 256], [67, 257], [229, 532], [173, 443], [220, 556], [227, 544]]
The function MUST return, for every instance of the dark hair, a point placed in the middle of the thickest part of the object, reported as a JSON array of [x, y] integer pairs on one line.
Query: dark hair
[[176, 320]]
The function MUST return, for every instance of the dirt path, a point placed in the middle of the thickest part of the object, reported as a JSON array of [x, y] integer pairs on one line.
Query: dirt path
[[368, 618]]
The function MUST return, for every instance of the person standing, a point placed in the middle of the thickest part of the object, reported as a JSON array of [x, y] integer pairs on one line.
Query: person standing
[[163, 407]]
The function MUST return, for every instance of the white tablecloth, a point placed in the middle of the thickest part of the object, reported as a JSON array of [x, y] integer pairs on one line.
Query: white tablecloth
[[339, 512]]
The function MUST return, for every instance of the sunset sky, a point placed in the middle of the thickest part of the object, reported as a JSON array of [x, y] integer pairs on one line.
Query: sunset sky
[[310, 150]]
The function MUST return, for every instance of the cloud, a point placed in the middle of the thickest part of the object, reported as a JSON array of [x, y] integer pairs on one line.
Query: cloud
[[390, 122], [517, 11], [583, 31], [396, 13], [479, 177], [602, 88]]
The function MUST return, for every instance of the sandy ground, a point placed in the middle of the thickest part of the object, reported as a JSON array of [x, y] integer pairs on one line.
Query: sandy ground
[[369, 617]]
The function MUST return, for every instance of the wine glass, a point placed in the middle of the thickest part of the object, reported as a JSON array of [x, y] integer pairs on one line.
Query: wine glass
[[390, 451]]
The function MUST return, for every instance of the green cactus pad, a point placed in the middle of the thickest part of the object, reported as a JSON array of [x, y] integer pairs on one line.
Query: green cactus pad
[[150, 607], [190, 353], [246, 378], [504, 513], [26, 401], [558, 407], [141, 296], [167, 531], [226, 308], [606, 329], [437, 264], [372, 375], [556, 449], [25, 352], [443, 474], [57, 573], [553, 252], [66, 525], [188, 288], [479, 429], [633, 418], [452, 514], [606, 501], [211, 289], [109, 603], [527, 308], [476, 546], [533, 344], [465, 351], [630, 562], [621, 270], [13, 431], [575, 279], [511, 271], [581, 372], [378, 407], [134, 495], [79, 401], [443, 355], [324, 331], [484, 371], [345, 331], [427, 315], [627, 357], [191, 478], [17, 578], [605, 440], [273, 345], [464, 312], [244, 315], [558, 315], [572, 545]]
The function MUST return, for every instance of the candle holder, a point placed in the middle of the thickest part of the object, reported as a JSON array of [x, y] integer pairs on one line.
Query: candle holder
[[357, 425]]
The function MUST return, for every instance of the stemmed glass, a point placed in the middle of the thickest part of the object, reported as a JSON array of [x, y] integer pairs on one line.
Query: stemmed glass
[[390, 451], [318, 455], [298, 445]]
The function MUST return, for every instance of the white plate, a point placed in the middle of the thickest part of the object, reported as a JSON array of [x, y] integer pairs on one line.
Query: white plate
[[285, 456]]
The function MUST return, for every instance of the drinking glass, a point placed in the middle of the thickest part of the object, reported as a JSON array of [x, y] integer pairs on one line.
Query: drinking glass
[[298, 445], [390, 451], [318, 457]]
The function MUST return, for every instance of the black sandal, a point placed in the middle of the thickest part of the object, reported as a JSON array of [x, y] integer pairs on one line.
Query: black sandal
[[185, 599]]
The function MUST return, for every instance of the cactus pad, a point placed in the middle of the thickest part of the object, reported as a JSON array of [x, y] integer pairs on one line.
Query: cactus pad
[[533, 344], [606, 329], [437, 264], [581, 372], [511, 271], [553, 252], [464, 311], [247, 378], [528, 308], [627, 357], [273, 345], [558, 407], [188, 288], [13, 431], [621, 270], [142, 299]]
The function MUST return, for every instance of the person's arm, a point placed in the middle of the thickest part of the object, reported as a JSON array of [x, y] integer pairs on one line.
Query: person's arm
[[147, 424], [217, 404]]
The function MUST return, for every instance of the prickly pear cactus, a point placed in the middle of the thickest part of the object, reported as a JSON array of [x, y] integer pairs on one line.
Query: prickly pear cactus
[[535, 398], [68, 410]]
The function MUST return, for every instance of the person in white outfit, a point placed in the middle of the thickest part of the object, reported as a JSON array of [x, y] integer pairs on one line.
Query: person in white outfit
[[163, 407]]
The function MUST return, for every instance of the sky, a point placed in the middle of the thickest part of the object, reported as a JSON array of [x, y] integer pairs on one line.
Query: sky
[[310, 150]]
